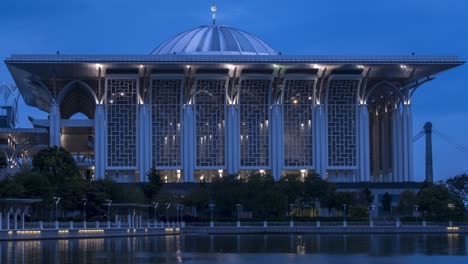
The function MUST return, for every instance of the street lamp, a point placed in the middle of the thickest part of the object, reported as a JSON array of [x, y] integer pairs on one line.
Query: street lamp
[[109, 202], [57, 200], [85, 201], [450, 206], [155, 211], [290, 212], [371, 208], [167, 211], [211, 205], [238, 206], [344, 212], [177, 212], [181, 213]]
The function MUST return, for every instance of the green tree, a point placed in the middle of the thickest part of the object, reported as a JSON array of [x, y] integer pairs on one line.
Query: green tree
[[434, 200], [153, 186], [60, 169], [10, 188], [458, 185], [408, 201]]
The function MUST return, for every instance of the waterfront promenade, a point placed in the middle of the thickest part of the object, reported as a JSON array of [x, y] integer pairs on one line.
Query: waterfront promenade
[[68, 230]]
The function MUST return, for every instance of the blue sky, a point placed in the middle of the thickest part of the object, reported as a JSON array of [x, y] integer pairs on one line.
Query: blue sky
[[333, 27]]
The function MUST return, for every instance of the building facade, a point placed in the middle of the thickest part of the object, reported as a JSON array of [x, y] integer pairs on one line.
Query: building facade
[[216, 100]]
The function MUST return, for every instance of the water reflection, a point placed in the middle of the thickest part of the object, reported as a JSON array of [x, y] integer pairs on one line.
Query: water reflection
[[235, 248]]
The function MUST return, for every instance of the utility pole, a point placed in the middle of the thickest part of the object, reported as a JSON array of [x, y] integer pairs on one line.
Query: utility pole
[[429, 169]]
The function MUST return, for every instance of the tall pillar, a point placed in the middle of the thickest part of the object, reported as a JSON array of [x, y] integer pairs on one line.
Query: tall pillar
[[99, 142], [375, 159], [15, 220], [144, 140], [429, 169], [233, 142], [364, 147], [189, 143], [384, 146], [277, 139], [407, 122], [54, 125], [397, 146], [7, 221], [321, 142]]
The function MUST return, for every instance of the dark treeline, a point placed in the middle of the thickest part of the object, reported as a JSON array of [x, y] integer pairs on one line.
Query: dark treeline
[[54, 172]]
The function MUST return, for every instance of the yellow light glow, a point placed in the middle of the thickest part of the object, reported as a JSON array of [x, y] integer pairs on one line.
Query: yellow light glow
[[27, 232], [91, 231]]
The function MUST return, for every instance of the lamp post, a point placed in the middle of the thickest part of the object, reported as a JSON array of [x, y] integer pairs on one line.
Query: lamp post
[[238, 206], [109, 202], [290, 212], [371, 208], [181, 213], [344, 212], [167, 212], [211, 205], [85, 201], [57, 200], [155, 204], [450, 206], [177, 212], [416, 213]]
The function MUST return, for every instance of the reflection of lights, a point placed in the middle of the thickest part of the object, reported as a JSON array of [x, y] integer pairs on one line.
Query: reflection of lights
[[122, 94], [310, 97], [403, 66], [295, 101]]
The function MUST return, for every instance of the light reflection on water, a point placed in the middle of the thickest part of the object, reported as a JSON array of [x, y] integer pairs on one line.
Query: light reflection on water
[[242, 249]]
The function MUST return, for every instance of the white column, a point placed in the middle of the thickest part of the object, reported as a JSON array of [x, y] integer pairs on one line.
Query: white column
[[7, 221], [375, 148], [277, 138], [22, 220], [364, 147], [384, 146], [407, 143], [54, 125], [321, 142], [99, 142], [233, 139], [15, 220], [189, 143], [397, 145], [144, 142]]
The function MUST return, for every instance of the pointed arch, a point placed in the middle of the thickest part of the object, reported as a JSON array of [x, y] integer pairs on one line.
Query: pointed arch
[[77, 96]]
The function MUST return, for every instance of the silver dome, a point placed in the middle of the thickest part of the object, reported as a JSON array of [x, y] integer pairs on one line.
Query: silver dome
[[215, 40]]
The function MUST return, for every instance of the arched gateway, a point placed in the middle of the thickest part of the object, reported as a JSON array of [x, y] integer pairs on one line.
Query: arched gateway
[[216, 100]]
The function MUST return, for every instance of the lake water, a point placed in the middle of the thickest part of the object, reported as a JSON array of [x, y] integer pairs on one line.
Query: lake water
[[269, 249]]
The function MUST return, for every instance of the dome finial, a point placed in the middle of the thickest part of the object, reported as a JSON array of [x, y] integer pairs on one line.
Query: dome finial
[[213, 10]]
